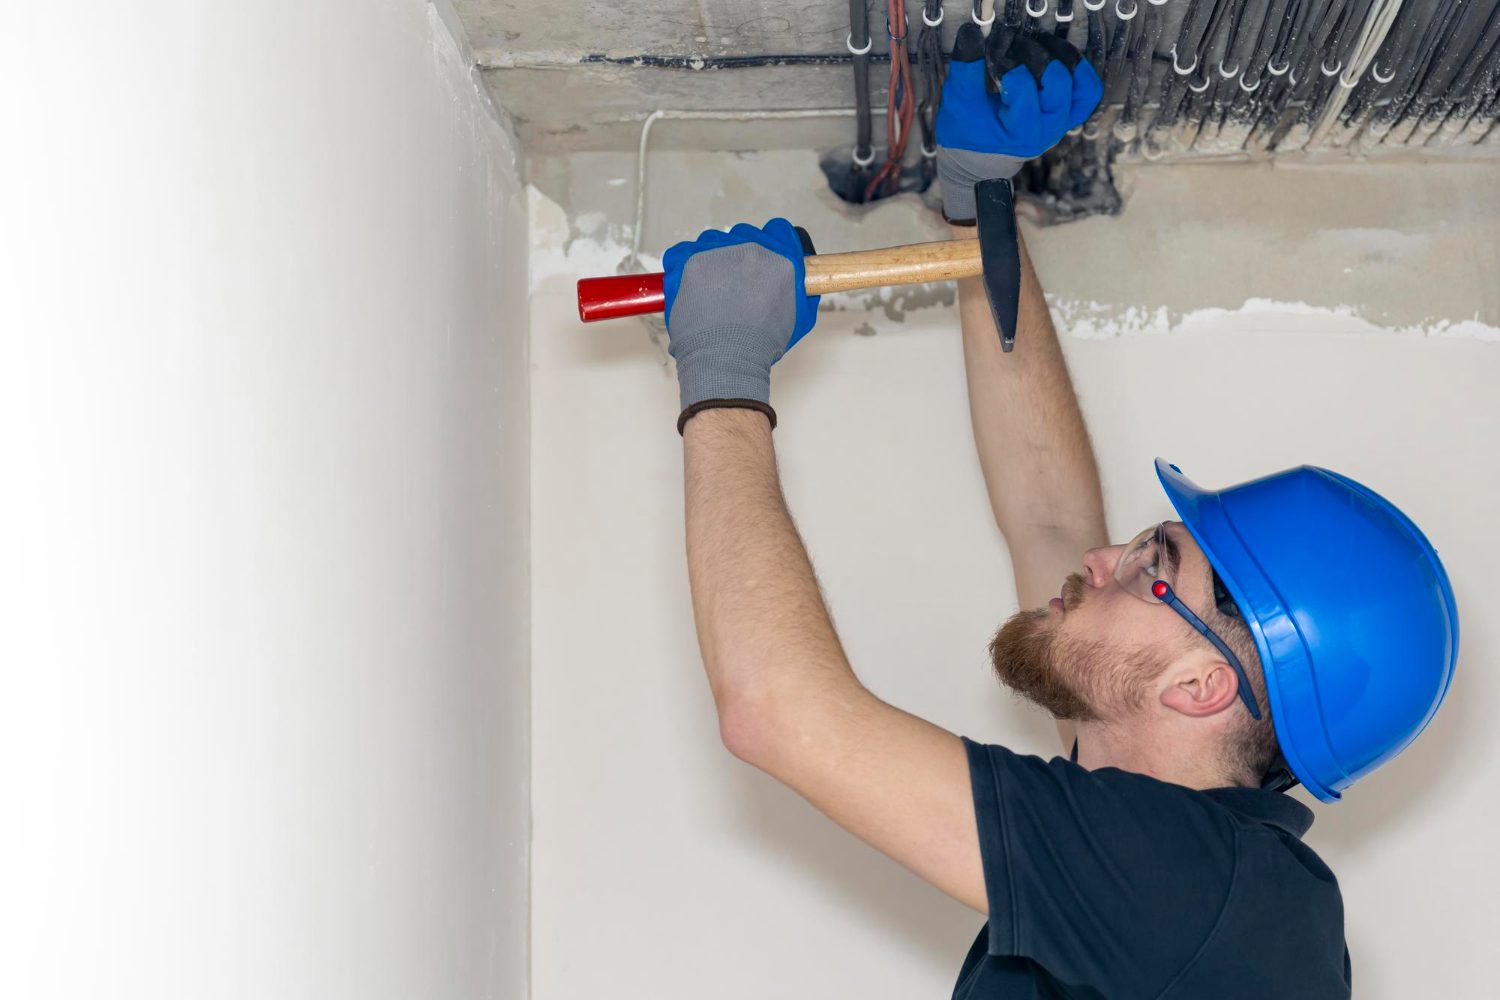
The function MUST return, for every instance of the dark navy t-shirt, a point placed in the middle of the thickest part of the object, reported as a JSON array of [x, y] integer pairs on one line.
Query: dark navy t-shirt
[[1109, 883]]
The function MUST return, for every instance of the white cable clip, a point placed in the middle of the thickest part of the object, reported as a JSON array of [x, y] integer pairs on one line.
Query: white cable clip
[[1156, 3], [1331, 72], [1375, 72], [974, 15], [1062, 18], [1094, 6], [1251, 90], [1036, 13], [1178, 69], [1228, 74], [929, 152], [932, 24], [849, 44], [1135, 9], [866, 161], [1199, 90], [1347, 83]]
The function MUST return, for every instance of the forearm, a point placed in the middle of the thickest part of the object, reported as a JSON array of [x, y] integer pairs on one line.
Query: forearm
[[1033, 445], [763, 629]]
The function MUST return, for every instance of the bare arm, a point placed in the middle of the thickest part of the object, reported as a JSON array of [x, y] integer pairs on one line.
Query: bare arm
[[788, 701], [1033, 445], [1034, 448]]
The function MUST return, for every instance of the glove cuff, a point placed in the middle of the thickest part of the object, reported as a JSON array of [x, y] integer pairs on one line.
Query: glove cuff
[[960, 169], [732, 404]]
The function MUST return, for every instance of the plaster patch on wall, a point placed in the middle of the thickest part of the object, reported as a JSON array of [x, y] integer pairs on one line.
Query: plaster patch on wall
[[588, 243], [894, 301], [579, 246], [1088, 320]]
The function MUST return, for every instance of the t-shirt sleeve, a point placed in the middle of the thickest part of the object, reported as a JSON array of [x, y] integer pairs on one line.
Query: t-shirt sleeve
[[1101, 877]]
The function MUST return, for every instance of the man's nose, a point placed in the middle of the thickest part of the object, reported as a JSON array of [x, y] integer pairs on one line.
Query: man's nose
[[1099, 565]]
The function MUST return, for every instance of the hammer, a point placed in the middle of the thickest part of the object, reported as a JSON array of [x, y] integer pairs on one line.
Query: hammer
[[995, 255]]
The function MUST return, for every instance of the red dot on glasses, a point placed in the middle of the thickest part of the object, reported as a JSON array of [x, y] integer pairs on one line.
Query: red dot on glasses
[[1160, 588]]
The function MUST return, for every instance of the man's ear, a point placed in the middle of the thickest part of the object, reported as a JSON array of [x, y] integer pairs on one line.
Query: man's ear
[[1208, 688]]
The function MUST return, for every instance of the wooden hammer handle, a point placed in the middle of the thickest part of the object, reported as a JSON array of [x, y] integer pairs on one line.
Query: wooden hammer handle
[[944, 260]]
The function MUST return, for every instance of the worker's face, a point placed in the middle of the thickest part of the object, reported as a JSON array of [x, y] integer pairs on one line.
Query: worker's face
[[1098, 651]]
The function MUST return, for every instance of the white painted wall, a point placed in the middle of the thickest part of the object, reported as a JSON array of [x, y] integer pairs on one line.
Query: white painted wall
[[263, 514], [663, 867]]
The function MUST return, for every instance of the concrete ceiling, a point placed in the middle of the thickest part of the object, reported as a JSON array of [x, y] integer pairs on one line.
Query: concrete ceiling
[[579, 75], [567, 73]]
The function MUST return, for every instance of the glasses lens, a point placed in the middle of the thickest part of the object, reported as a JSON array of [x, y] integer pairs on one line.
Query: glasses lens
[[1143, 562]]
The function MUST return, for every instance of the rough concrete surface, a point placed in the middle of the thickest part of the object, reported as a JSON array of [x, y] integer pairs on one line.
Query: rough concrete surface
[[1400, 246]]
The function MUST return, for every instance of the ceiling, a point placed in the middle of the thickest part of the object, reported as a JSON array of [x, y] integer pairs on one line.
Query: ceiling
[[565, 69], [579, 75]]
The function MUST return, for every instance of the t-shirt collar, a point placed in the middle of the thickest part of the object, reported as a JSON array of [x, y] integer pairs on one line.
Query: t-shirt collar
[[1276, 808]]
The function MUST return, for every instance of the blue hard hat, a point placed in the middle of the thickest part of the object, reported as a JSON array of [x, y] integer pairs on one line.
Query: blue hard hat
[[1351, 610]]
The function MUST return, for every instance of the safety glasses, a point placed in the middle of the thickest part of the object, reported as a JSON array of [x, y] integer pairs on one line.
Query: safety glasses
[[1148, 569]]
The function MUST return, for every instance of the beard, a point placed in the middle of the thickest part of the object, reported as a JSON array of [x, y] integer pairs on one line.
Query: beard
[[1069, 677], [1024, 653]]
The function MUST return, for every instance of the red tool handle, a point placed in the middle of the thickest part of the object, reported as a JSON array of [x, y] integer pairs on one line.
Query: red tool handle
[[620, 295]]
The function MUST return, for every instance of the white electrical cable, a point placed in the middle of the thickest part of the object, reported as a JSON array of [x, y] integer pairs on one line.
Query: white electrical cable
[[656, 327], [1377, 25], [634, 260]]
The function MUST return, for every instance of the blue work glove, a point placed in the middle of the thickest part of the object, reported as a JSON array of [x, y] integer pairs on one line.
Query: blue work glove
[[735, 303], [1007, 99]]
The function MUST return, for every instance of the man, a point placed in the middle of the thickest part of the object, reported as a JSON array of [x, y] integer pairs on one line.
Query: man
[[1295, 627]]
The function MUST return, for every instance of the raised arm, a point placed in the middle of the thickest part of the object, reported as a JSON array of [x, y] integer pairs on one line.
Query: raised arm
[[788, 701], [1034, 448]]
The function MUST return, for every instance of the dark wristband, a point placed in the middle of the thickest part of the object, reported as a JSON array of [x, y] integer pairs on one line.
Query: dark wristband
[[733, 404]]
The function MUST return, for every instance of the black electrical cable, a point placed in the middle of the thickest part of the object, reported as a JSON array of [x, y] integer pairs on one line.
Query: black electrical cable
[[1142, 48], [696, 63], [1063, 19], [1115, 81], [1272, 19], [1387, 79], [1457, 49], [932, 70], [1094, 47], [1422, 47], [859, 47], [1479, 76], [1173, 87]]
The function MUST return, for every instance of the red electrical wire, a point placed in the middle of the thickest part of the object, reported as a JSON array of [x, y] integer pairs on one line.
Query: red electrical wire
[[900, 104]]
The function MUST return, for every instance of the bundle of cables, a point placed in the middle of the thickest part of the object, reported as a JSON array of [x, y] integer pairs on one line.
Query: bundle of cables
[[932, 67], [900, 106]]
